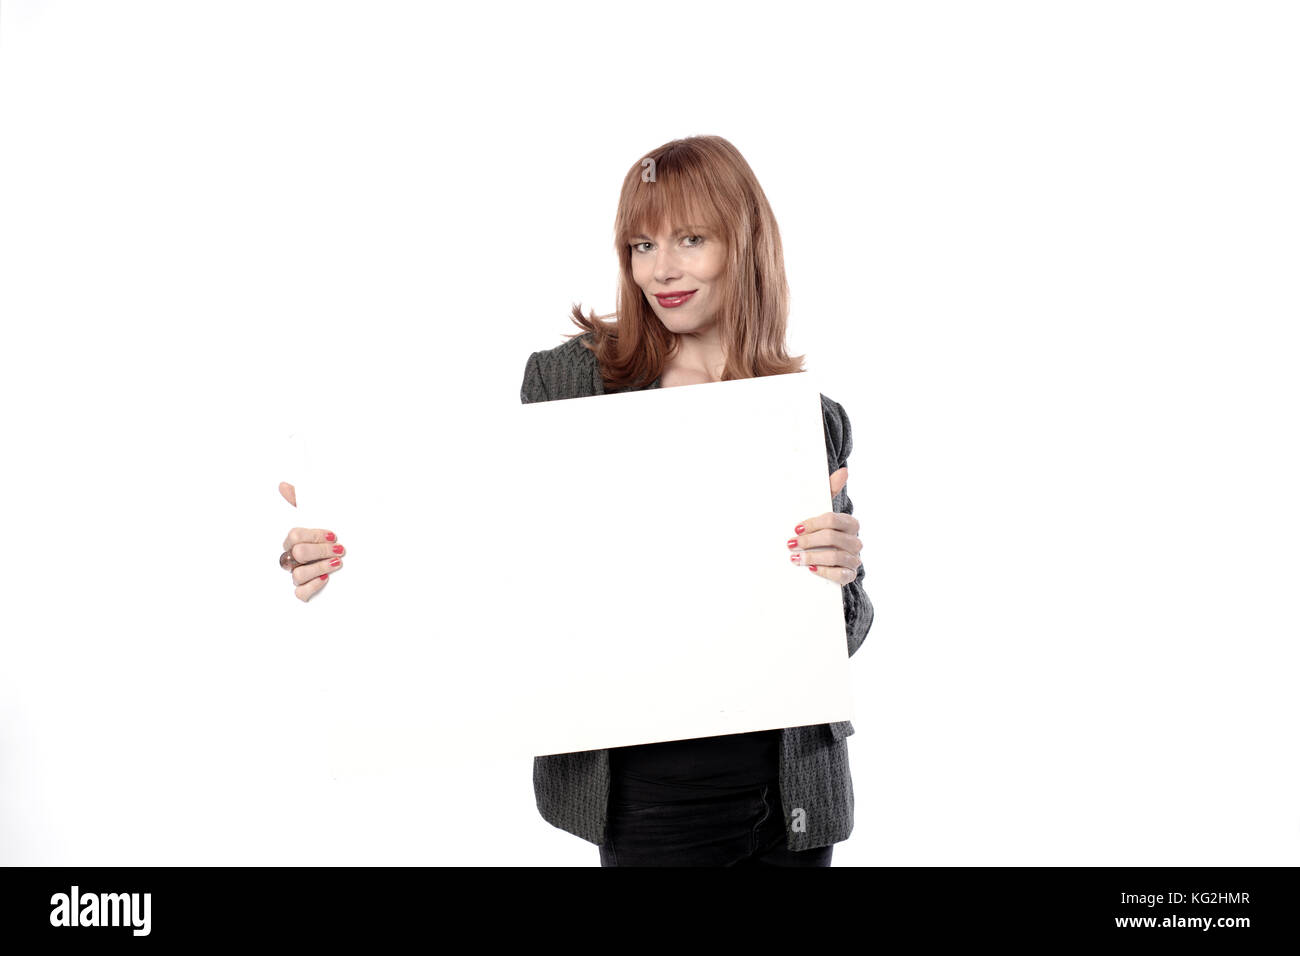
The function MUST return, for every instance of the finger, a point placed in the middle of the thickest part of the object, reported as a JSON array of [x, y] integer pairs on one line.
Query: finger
[[307, 553], [291, 496], [827, 557], [829, 539], [840, 576], [310, 536], [305, 572], [830, 519], [839, 478], [826, 538], [304, 592]]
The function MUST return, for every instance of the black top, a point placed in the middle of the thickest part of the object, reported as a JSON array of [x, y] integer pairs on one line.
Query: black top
[[674, 770]]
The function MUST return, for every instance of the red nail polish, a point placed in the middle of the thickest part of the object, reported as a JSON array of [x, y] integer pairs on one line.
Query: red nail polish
[[792, 543], [338, 549], [798, 529], [335, 563], [329, 536], [324, 577], [812, 567], [794, 559]]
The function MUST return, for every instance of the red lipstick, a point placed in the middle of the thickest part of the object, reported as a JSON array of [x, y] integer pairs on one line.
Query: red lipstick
[[671, 300]]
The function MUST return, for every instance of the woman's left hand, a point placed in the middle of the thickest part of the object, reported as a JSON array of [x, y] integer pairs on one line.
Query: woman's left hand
[[828, 544]]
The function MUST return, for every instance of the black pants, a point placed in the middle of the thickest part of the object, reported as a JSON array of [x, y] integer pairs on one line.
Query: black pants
[[744, 829]]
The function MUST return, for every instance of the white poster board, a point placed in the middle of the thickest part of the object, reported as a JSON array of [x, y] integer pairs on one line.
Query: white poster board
[[656, 594], [571, 575]]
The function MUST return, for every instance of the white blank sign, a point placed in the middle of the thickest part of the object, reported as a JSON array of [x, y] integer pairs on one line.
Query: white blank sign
[[656, 597]]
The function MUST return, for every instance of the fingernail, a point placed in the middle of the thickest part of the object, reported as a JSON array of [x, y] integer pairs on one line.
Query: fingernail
[[329, 536], [335, 563], [324, 577], [792, 543], [798, 529], [812, 567], [796, 558], [338, 549]]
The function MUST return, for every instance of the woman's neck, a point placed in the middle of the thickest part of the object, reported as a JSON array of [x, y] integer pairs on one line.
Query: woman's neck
[[694, 361]]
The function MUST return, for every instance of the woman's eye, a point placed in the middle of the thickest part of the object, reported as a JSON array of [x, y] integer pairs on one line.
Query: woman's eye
[[700, 238], [636, 246]]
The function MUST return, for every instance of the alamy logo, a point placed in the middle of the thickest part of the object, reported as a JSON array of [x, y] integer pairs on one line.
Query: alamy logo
[[798, 820], [101, 909], [647, 170]]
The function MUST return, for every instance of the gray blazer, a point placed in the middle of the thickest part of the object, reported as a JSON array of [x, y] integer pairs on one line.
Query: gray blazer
[[573, 789]]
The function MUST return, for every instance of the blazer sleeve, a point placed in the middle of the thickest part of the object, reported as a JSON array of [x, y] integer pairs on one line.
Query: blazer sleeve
[[858, 610], [533, 388]]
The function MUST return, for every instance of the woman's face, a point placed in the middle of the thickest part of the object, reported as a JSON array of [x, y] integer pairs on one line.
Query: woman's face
[[680, 272]]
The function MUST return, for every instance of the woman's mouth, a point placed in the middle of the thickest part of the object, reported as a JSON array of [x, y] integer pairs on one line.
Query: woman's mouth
[[671, 300]]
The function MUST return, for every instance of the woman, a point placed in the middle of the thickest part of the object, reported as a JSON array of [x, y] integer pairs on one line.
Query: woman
[[702, 299]]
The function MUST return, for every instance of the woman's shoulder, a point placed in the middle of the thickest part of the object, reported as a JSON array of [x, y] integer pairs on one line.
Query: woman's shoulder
[[574, 351], [568, 370]]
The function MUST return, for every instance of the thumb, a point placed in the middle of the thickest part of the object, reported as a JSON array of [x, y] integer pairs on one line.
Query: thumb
[[839, 479], [287, 491]]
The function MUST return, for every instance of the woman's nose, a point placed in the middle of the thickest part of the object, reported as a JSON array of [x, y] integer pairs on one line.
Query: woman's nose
[[666, 268]]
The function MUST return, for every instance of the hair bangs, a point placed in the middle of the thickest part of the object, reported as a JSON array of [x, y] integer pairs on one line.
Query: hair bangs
[[671, 202]]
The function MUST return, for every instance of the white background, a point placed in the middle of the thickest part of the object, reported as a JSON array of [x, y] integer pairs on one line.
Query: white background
[[1043, 253]]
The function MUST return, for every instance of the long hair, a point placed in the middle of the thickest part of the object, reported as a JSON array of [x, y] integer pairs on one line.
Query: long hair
[[697, 180]]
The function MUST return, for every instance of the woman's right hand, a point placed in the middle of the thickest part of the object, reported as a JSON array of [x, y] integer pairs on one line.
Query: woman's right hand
[[314, 553]]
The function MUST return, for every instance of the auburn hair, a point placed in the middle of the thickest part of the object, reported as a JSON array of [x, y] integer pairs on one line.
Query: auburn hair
[[699, 180]]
